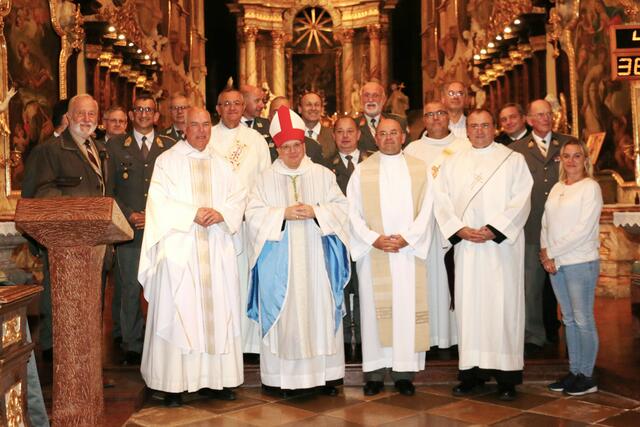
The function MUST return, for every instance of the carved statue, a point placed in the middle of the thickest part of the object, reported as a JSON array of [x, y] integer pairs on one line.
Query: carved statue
[[267, 97], [355, 99], [398, 102]]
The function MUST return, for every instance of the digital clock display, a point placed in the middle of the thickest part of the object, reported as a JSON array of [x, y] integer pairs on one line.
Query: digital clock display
[[628, 38], [628, 66]]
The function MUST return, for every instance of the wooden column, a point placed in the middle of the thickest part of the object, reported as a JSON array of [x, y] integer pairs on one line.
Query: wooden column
[[374, 51], [384, 58], [250, 34], [347, 68], [278, 84], [242, 60]]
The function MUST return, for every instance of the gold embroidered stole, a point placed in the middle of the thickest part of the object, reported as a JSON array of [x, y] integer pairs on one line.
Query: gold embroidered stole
[[201, 191], [380, 263]]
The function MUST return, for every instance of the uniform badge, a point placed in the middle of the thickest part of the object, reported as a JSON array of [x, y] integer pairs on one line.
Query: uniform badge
[[125, 175], [168, 131], [127, 141], [271, 145], [555, 142], [259, 124], [557, 159], [530, 144], [159, 142]]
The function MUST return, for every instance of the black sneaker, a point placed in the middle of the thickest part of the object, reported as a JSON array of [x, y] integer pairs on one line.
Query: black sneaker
[[582, 385], [562, 383]]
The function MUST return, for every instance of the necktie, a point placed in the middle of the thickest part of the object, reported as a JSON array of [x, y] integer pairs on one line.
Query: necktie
[[249, 123], [91, 156], [373, 126], [180, 134], [543, 147], [350, 166], [310, 132], [144, 149]]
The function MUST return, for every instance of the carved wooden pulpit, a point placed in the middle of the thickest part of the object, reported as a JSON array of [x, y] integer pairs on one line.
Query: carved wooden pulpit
[[75, 231]]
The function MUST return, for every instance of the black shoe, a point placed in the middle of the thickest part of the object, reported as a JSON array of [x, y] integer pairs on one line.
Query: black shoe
[[371, 388], [405, 387], [562, 383], [582, 385], [132, 358], [329, 390], [47, 355], [224, 394], [507, 393], [466, 388], [172, 400]]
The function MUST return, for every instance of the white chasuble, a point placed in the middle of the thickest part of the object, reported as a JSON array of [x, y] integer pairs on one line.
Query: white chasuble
[[302, 348], [398, 217], [442, 320], [248, 153], [478, 187], [189, 275]]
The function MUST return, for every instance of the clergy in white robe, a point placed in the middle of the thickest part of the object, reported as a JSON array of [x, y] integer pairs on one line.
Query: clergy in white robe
[[391, 223], [434, 149], [188, 270], [248, 153], [297, 222], [482, 203]]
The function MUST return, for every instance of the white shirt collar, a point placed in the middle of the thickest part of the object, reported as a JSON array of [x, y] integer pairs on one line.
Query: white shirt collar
[[355, 154], [546, 140], [520, 135], [138, 136], [316, 131]]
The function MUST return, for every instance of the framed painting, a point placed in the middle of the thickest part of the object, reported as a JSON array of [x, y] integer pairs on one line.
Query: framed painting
[[594, 145]]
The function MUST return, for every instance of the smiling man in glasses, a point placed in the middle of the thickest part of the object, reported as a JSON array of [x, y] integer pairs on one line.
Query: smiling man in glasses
[[541, 150], [114, 121], [455, 98], [178, 106], [372, 98], [434, 149], [482, 202], [132, 158], [248, 153]]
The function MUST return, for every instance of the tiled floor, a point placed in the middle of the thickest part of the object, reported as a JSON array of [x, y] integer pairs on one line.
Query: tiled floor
[[431, 406]]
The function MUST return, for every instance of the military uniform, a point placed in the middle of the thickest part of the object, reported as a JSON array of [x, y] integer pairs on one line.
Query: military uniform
[[351, 321], [130, 175], [544, 171], [259, 124], [367, 141], [55, 168], [172, 133], [505, 139]]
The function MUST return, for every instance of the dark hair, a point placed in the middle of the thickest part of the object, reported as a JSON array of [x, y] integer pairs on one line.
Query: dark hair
[[513, 105], [480, 111], [145, 97]]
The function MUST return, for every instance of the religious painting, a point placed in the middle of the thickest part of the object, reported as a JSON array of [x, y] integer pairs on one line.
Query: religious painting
[[605, 105], [594, 145], [316, 72], [33, 49]]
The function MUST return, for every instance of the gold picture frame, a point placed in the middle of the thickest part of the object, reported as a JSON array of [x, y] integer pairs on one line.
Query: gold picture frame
[[594, 145]]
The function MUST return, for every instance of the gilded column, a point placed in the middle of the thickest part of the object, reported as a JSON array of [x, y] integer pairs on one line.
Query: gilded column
[[278, 85], [384, 57], [250, 34], [242, 60], [347, 68], [374, 51]]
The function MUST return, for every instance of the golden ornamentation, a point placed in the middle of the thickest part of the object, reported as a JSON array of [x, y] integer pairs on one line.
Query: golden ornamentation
[[11, 331], [13, 406], [504, 13], [71, 35], [635, 115], [235, 154], [313, 26]]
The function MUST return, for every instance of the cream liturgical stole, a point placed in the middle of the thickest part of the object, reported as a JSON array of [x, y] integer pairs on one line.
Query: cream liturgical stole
[[201, 190], [380, 263]]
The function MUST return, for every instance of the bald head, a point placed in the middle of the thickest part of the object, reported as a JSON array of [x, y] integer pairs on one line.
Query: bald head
[[198, 129], [540, 117], [436, 120], [253, 102], [276, 103]]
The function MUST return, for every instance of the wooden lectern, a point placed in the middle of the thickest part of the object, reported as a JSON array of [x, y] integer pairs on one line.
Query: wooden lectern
[[75, 231]]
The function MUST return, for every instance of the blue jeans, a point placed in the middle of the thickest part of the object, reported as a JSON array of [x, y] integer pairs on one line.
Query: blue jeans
[[574, 286]]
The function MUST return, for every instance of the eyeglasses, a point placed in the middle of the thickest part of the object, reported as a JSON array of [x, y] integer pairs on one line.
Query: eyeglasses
[[455, 93], [544, 115], [144, 110], [476, 126], [384, 134], [432, 114], [178, 107], [227, 104], [117, 121], [291, 147]]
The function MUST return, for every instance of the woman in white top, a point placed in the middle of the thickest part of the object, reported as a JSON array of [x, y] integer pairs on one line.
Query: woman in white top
[[570, 253]]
